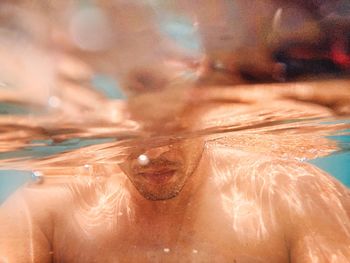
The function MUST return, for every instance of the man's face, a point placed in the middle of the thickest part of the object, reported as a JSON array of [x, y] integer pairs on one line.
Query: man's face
[[160, 169], [160, 173]]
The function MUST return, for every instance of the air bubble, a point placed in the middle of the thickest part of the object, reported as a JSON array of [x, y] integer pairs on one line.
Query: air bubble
[[54, 102], [143, 159], [87, 169], [166, 250], [37, 176], [219, 65], [84, 26]]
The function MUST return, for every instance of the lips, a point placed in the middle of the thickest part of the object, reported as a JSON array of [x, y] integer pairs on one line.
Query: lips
[[158, 176]]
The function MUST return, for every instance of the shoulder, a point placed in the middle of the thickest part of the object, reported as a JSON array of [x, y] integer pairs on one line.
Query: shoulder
[[282, 175], [289, 180], [53, 200], [26, 225], [293, 189], [35, 202], [311, 207]]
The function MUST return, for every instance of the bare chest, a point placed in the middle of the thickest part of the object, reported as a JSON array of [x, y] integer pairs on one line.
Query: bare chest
[[209, 236]]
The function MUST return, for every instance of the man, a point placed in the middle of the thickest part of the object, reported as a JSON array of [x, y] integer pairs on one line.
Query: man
[[189, 199]]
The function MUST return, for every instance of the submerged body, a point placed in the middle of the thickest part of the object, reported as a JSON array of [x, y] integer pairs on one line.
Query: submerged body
[[235, 207], [213, 200], [201, 203]]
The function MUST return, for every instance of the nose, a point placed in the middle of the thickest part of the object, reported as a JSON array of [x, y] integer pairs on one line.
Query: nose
[[154, 153]]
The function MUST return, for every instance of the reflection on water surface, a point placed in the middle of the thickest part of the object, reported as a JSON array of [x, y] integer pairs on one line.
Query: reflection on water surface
[[296, 120]]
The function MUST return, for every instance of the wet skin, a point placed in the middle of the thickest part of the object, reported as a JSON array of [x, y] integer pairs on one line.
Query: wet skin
[[234, 207], [198, 200], [196, 203]]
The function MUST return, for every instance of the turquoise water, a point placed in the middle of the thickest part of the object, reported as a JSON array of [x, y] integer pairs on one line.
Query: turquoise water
[[338, 164], [10, 180]]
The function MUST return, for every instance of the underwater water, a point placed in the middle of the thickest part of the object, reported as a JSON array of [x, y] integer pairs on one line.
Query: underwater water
[[97, 95], [337, 164], [64, 89], [285, 128]]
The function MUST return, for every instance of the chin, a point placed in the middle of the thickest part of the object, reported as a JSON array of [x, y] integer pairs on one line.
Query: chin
[[157, 197], [160, 194]]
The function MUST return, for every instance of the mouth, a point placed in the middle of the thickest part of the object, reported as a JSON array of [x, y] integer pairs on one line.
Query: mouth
[[158, 176]]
